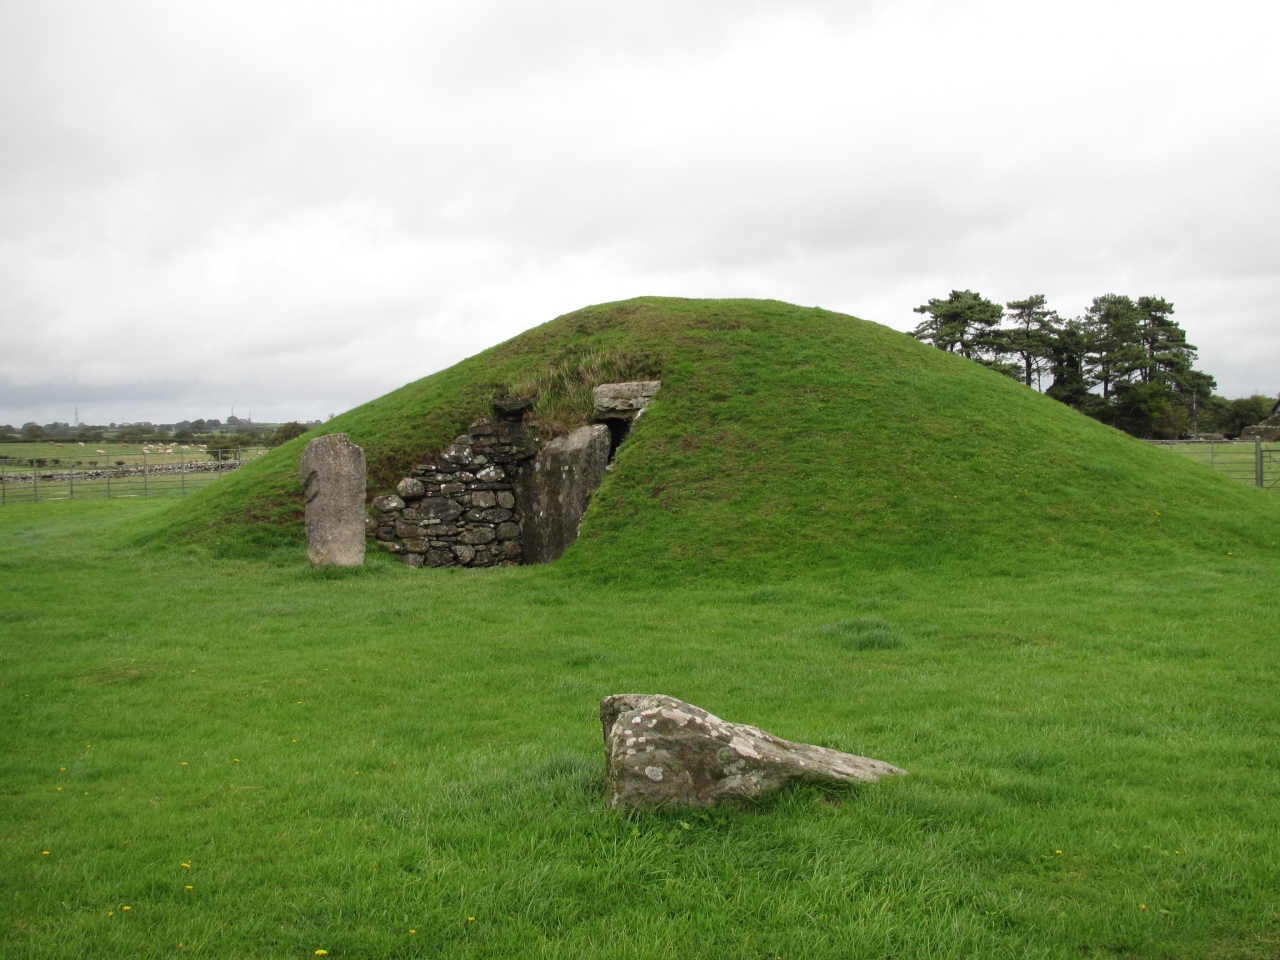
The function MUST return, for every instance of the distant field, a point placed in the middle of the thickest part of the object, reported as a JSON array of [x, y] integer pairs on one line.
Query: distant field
[[119, 471], [1236, 459], [104, 453]]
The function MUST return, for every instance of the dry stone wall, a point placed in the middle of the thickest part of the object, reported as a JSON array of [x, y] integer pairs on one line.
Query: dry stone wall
[[499, 496], [460, 509]]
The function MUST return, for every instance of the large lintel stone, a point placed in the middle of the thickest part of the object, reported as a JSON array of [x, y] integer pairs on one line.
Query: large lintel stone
[[623, 401]]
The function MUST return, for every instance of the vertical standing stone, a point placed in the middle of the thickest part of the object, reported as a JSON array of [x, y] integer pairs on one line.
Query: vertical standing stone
[[555, 488], [332, 472]]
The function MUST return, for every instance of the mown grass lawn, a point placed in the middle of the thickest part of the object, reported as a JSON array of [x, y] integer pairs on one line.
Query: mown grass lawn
[[243, 757]]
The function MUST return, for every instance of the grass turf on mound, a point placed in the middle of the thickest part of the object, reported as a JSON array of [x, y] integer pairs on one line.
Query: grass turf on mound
[[821, 527], [788, 436], [261, 760]]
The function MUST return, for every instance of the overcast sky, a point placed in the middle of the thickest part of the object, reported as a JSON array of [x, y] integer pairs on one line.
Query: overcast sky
[[291, 208]]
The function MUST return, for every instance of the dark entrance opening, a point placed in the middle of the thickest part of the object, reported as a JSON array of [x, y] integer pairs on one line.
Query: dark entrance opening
[[618, 430]]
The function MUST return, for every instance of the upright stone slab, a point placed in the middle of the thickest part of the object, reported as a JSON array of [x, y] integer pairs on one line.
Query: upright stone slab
[[332, 472], [554, 490]]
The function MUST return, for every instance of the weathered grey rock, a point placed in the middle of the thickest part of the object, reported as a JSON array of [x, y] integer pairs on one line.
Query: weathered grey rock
[[411, 489], [439, 508], [491, 474], [474, 535], [555, 489], [510, 549], [484, 498], [664, 751], [406, 530], [332, 471], [511, 407], [438, 557], [506, 499], [412, 559], [388, 504], [459, 452], [508, 531], [513, 433], [623, 400], [464, 553]]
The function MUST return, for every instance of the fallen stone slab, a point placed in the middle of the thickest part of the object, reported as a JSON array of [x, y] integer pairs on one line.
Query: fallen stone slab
[[662, 750]]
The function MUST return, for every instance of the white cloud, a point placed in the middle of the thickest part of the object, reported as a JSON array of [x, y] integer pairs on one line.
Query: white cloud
[[296, 207]]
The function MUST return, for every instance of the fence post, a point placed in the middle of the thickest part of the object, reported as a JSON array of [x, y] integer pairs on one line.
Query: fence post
[[182, 469], [4, 493], [144, 474], [1257, 462], [35, 485], [72, 481]]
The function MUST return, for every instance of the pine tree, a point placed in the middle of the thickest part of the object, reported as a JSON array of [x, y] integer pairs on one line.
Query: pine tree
[[962, 323]]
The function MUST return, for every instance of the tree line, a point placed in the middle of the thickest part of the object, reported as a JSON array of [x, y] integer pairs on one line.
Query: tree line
[[1125, 362]]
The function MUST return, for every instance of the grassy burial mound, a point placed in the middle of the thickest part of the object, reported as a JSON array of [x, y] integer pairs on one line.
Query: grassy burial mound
[[784, 435], [820, 527]]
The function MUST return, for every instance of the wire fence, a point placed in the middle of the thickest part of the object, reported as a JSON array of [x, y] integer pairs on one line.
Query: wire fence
[[116, 475], [1252, 461]]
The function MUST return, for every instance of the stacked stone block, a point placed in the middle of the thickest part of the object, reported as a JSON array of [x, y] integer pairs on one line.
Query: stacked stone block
[[460, 510], [498, 496]]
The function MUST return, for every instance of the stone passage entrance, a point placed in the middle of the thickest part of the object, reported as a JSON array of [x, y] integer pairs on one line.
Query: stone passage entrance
[[500, 495]]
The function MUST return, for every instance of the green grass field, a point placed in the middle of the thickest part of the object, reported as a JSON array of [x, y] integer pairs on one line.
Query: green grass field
[[822, 528]]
